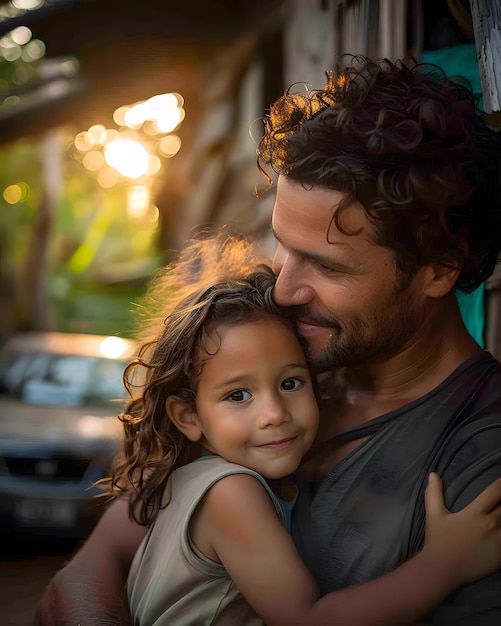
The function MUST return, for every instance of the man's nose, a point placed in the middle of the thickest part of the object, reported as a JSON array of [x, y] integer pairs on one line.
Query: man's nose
[[291, 288]]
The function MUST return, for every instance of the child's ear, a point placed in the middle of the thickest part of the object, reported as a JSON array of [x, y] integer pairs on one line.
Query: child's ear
[[183, 417]]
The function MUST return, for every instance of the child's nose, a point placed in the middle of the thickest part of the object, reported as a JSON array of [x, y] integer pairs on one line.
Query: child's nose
[[273, 413]]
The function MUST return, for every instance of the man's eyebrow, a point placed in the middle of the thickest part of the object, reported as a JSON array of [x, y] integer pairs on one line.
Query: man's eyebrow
[[324, 260]]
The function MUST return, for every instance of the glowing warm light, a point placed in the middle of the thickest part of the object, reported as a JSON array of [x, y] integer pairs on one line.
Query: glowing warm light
[[179, 98], [119, 116], [91, 426], [93, 160], [19, 192], [21, 35], [111, 135], [133, 154], [153, 214], [169, 119], [12, 194], [161, 102], [112, 347], [107, 177], [170, 145], [136, 116], [98, 134], [130, 158], [150, 128], [154, 165], [138, 197], [83, 141]]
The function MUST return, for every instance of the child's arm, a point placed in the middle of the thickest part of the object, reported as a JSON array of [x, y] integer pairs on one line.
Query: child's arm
[[240, 524]]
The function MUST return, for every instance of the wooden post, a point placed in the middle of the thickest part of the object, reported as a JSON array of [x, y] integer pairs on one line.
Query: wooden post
[[486, 18]]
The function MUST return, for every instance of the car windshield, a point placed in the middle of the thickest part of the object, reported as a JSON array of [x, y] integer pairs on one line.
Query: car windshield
[[55, 379]]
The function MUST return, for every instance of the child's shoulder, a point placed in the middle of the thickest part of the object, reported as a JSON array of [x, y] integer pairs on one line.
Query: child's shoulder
[[226, 483]]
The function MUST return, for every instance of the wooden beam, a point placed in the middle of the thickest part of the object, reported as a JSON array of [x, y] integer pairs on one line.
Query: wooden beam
[[486, 17]]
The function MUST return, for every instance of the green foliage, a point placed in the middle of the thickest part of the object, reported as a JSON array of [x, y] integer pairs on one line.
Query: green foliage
[[98, 260]]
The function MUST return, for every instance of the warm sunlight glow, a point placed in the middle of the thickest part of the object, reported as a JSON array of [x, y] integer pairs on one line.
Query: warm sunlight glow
[[112, 347], [135, 116], [83, 141], [93, 160], [111, 135], [130, 158], [119, 116], [154, 165], [12, 194], [107, 177], [19, 192], [98, 134], [169, 119], [139, 146], [138, 198], [170, 145]]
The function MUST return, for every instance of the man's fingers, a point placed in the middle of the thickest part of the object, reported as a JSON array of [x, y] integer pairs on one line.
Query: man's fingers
[[434, 496], [489, 499]]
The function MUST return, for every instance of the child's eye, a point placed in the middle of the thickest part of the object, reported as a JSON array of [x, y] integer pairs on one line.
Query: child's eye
[[240, 395], [291, 384]]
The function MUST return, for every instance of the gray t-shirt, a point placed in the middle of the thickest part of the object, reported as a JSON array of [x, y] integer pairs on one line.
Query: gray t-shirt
[[367, 515]]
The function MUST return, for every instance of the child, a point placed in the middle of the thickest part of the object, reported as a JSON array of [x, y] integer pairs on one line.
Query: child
[[227, 404]]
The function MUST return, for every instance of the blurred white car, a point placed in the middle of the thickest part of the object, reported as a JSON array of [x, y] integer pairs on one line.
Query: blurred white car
[[60, 395]]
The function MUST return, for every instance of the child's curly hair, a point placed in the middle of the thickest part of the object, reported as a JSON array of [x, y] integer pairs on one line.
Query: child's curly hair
[[411, 146], [217, 280]]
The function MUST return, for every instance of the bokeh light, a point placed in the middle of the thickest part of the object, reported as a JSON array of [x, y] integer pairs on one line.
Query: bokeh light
[[130, 158], [170, 145], [94, 160], [27, 5], [13, 194], [138, 198], [20, 35]]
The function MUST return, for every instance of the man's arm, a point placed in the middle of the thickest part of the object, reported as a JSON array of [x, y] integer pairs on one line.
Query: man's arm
[[90, 589], [476, 464]]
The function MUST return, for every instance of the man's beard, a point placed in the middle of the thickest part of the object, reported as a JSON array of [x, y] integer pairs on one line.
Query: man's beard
[[364, 341]]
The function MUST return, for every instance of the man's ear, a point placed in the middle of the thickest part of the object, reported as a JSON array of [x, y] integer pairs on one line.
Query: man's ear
[[441, 279], [183, 417]]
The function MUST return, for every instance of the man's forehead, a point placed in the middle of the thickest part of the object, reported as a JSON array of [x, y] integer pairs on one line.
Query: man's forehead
[[315, 212]]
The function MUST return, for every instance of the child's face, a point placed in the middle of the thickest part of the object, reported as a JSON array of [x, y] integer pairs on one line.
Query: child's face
[[255, 401]]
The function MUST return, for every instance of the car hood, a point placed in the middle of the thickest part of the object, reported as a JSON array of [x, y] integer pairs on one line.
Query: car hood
[[19, 420]]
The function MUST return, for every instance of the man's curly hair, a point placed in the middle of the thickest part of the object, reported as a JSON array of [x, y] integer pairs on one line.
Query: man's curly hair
[[412, 147]]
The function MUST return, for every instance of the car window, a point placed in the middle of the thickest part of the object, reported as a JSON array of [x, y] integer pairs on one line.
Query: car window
[[16, 369], [73, 380]]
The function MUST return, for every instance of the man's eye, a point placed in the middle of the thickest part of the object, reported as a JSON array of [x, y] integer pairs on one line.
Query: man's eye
[[238, 396], [326, 268], [291, 384]]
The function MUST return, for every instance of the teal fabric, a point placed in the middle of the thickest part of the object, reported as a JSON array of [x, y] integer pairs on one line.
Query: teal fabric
[[461, 60], [472, 309]]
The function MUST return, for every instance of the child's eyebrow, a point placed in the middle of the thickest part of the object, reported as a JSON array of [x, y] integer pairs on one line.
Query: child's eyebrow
[[247, 378]]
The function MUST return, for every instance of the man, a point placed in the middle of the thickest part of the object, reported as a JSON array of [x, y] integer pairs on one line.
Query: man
[[388, 199]]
